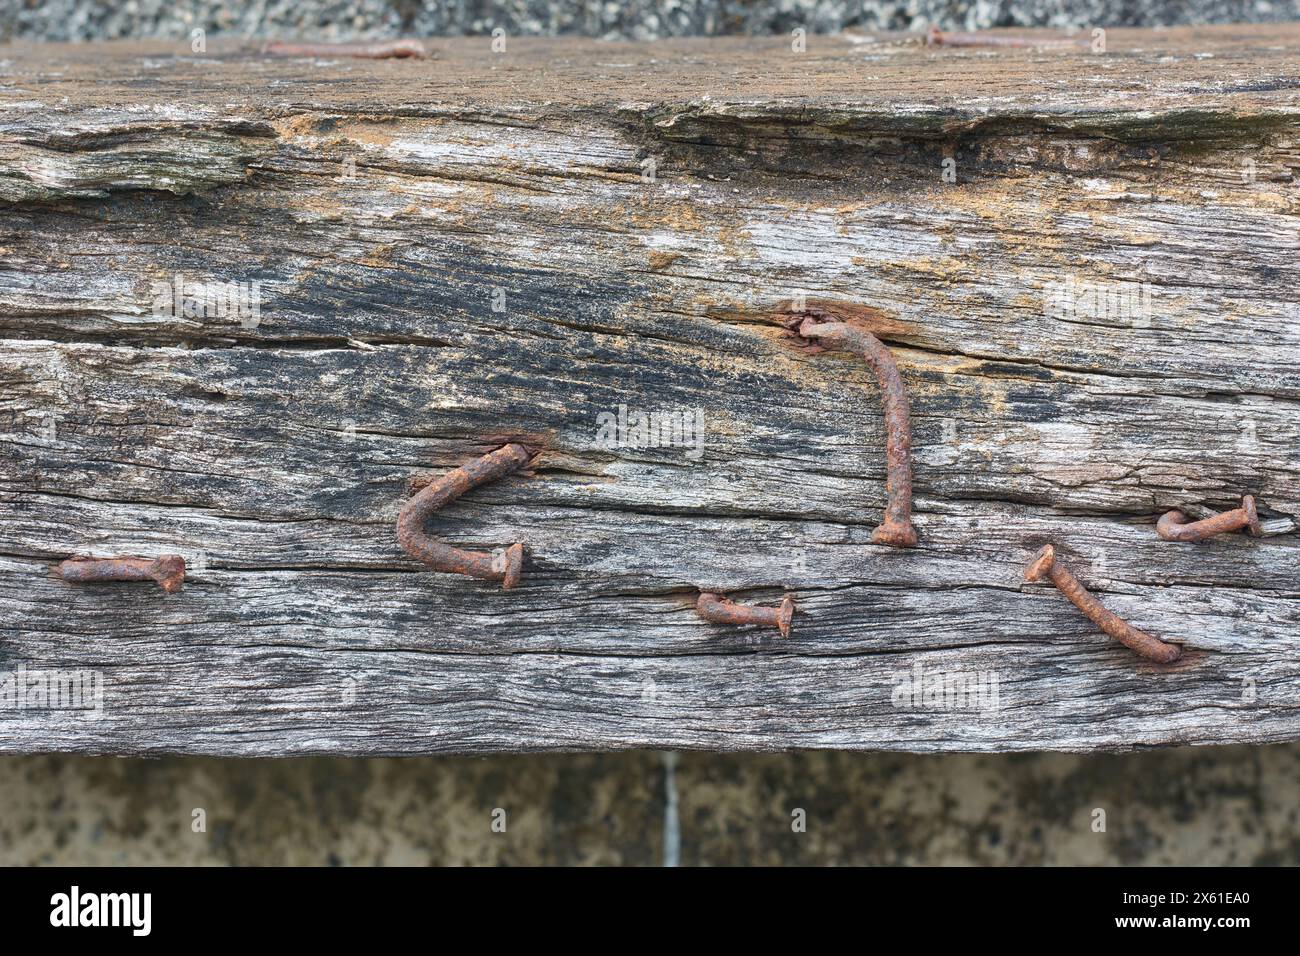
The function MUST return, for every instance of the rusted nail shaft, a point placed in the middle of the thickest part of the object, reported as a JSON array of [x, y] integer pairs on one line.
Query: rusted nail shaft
[[938, 37], [716, 608], [1175, 526], [369, 51], [897, 529], [505, 567], [168, 570], [1044, 564]]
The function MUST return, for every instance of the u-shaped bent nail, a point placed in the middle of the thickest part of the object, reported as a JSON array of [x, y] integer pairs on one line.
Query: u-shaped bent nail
[[506, 566], [897, 529], [1175, 526]]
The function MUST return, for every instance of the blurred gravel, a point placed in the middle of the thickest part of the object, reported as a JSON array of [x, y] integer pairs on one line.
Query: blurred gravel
[[633, 19]]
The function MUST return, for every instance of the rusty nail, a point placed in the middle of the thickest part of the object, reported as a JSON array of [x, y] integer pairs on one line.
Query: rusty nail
[[937, 37], [1175, 526], [369, 51], [897, 529], [505, 567], [168, 570], [716, 608], [1044, 564]]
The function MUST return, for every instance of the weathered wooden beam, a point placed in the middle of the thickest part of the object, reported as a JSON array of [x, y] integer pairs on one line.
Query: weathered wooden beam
[[1084, 264]]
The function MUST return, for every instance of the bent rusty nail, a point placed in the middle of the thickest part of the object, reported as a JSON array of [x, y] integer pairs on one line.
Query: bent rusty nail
[[168, 570], [1044, 564], [505, 567], [368, 51], [714, 607], [897, 529], [1176, 526]]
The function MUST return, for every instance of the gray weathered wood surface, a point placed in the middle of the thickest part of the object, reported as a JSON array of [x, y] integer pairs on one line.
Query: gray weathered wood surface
[[458, 250]]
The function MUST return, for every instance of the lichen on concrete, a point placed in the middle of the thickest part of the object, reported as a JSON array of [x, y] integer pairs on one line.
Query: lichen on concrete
[[1191, 806]]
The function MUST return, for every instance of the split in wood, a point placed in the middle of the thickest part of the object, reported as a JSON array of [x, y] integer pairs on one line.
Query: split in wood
[[1176, 526], [897, 529], [368, 51], [1044, 564], [168, 570], [506, 566], [714, 607]]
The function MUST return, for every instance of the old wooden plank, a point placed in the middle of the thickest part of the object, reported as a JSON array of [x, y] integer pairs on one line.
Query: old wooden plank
[[457, 251]]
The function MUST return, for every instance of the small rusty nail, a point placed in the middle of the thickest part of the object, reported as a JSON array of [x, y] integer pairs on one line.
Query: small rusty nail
[[714, 607], [937, 37], [1044, 564], [897, 529], [1175, 526], [168, 570], [369, 51], [505, 567]]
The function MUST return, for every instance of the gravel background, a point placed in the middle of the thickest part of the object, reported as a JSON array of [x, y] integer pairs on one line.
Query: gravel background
[[634, 19]]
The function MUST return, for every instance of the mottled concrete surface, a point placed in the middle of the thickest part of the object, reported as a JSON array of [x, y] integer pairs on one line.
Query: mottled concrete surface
[[1212, 806], [629, 19], [323, 811]]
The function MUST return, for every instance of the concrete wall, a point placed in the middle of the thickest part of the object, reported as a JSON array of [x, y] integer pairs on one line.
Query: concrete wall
[[1212, 806]]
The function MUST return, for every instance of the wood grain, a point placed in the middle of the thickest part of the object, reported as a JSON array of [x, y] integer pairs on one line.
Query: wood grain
[[456, 252]]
